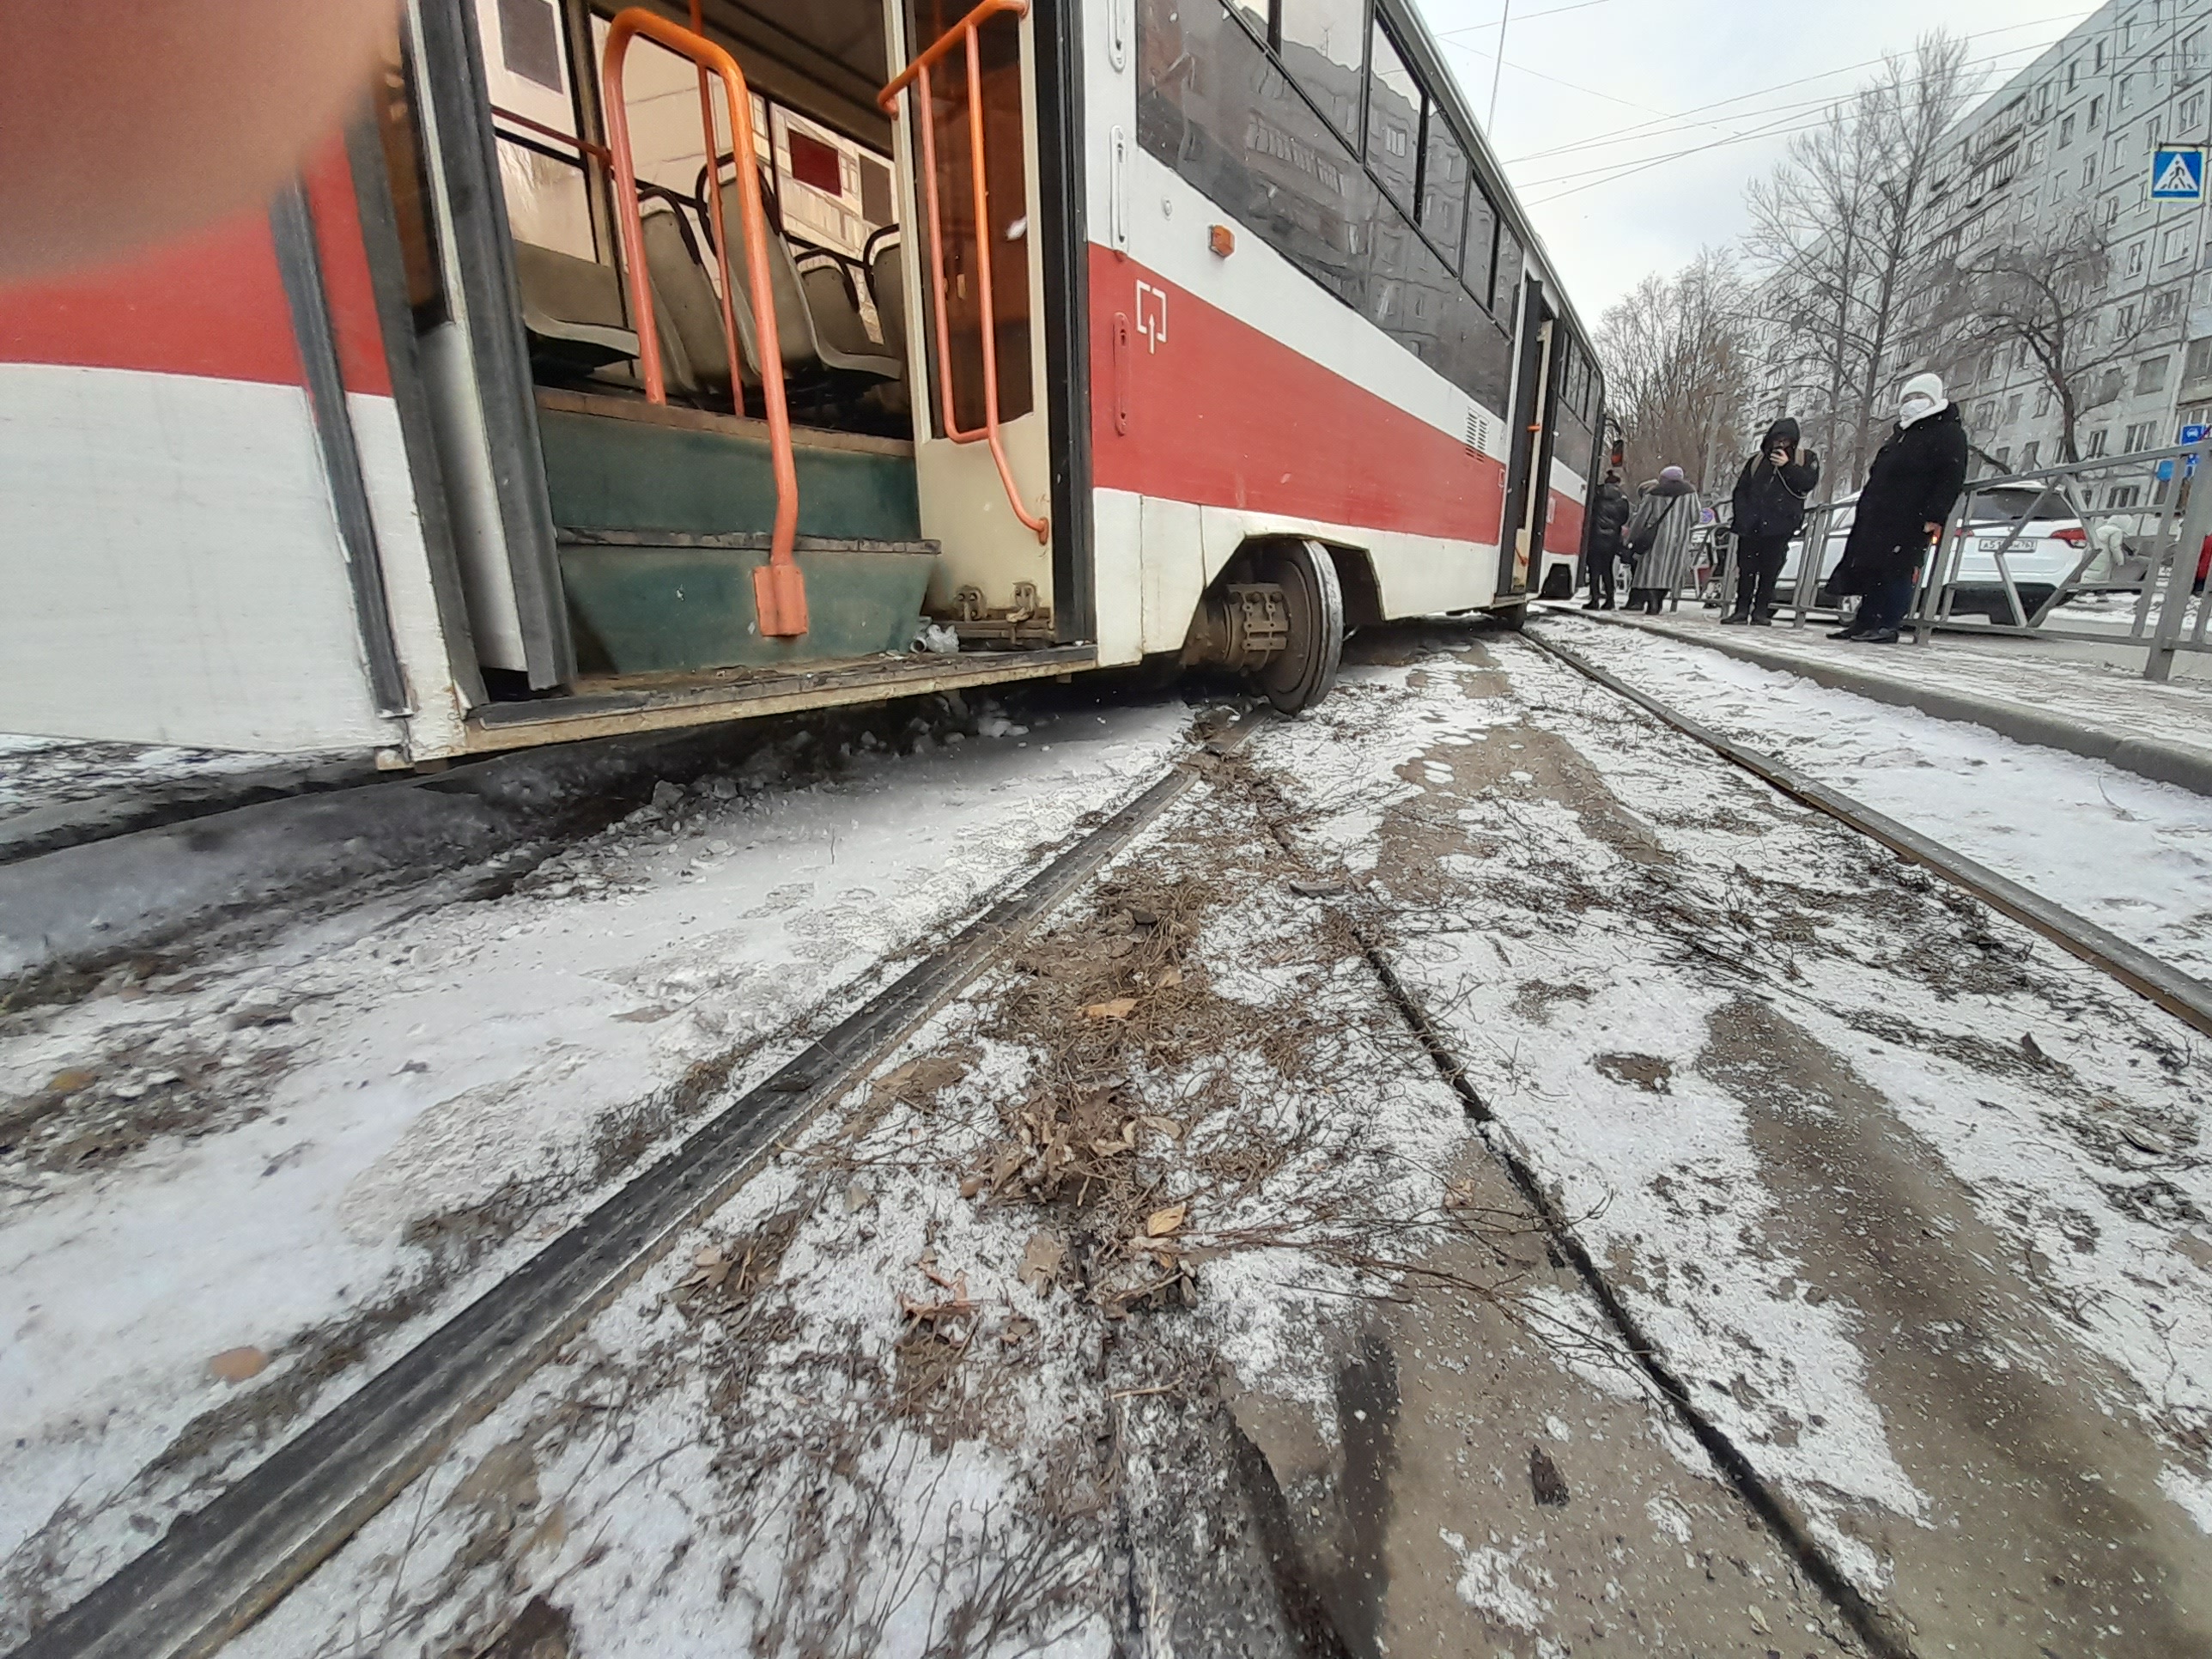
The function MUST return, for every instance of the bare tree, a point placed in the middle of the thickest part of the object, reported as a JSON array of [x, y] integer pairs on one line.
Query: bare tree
[[2037, 289], [1840, 232], [1678, 357]]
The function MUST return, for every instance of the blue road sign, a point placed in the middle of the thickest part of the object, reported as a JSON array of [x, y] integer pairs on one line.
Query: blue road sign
[[2191, 433], [2177, 173]]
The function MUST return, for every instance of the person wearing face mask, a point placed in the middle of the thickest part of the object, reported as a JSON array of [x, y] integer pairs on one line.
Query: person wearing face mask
[[1909, 491], [1769, 509]]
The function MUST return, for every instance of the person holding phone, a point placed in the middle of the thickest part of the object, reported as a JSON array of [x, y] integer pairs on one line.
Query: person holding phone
[[1911, 488], [1770, 508]]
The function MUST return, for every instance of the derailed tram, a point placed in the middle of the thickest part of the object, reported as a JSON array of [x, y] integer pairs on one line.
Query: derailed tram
[[1024, 340]]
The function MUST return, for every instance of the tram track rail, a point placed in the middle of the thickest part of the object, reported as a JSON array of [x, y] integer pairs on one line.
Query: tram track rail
[[1879, 1629], [2183, 995], [221, 1567]]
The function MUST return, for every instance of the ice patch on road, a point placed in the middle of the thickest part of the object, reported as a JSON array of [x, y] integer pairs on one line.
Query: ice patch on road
[[2192, 1493], [1487, 1582]]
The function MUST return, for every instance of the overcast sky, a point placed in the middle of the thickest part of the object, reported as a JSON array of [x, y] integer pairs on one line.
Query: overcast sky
[[1664, 68]]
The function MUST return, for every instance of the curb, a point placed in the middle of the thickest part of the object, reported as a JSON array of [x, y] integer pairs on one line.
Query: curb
[[2185, 767]]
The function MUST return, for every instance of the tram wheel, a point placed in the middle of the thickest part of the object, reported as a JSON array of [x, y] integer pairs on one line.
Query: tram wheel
[[1303, 673]]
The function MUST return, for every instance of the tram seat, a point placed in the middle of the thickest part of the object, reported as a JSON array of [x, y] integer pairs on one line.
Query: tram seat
[[887, 282], [802, 344], [689, 313], [837, 317], [571, 310]]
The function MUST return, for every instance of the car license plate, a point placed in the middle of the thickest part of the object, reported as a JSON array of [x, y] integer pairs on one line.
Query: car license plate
[[1995, 544]]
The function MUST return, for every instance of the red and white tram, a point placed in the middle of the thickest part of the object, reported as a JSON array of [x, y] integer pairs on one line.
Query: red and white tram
[[1088, 333]]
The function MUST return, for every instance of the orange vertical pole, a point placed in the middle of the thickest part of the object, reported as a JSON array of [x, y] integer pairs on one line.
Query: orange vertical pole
[[779, 587], [917, 73]]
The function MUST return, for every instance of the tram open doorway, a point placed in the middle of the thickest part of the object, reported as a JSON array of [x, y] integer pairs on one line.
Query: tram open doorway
[[1528, 491], [606, 392]]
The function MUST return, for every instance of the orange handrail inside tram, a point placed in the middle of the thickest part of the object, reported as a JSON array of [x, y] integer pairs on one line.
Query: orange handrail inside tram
[[779, 586], [963, 33]]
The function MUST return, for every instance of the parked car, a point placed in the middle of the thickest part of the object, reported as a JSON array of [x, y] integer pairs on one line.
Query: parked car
[[2041, 557]]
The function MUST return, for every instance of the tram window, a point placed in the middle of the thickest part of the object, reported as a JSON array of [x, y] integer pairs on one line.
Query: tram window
[[1322, 42], [1247, 137], [1394, 100], [1443, 188], [1505, 282], [547, 193], [1481, 243]]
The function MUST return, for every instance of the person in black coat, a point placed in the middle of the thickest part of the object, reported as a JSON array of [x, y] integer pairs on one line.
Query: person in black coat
[[1911, 488], [1770, 508], [1609, 517]]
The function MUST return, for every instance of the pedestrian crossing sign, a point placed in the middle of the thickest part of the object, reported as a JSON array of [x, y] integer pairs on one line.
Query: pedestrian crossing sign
[[2177, 173]]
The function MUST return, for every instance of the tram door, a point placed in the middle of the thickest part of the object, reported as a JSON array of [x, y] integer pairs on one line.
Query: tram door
[[982, 444], [1529, 492]]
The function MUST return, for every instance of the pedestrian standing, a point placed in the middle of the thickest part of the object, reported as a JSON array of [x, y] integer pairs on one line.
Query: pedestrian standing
[[1910, 489], [1658, 535], [1609, 517], [1769, 504]]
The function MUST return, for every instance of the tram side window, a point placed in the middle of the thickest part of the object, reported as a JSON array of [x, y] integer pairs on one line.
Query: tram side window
[[1481, 243], [549, 198], [1394, 101], [1443, 188], [1253, 143], [1320, 48], [1243, 135], [1505, 283]]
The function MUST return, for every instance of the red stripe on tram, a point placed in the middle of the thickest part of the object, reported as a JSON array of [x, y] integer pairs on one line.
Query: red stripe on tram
[[1209, 410]]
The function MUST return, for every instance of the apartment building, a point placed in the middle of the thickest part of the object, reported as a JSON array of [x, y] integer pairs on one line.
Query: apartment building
[[2077, 129]]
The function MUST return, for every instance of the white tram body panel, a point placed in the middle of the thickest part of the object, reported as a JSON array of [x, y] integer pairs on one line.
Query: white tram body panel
[[320, 477]]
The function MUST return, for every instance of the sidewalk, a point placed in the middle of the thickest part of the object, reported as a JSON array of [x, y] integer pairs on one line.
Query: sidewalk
[[2051, 693]]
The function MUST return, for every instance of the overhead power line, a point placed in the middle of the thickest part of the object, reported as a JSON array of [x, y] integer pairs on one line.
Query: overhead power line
[[1773, 116], [1654, 128]]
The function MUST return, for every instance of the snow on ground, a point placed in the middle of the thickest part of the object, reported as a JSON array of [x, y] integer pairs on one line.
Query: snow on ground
[[923, 1417], [1671, 926], [2132, 855], [294, 1150]]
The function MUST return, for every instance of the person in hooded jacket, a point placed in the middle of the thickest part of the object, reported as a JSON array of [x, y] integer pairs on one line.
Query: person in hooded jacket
[[1769, 509], [1608, 517], [1911, 488], [1658, 537]]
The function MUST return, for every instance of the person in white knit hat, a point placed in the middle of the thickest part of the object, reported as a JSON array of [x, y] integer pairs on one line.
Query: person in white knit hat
[[1910, 489]]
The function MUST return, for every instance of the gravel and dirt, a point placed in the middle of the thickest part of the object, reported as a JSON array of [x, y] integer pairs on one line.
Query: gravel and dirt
[[1250, 1263]]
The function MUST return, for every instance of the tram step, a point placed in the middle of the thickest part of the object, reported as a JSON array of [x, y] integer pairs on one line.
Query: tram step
[[656, 602]]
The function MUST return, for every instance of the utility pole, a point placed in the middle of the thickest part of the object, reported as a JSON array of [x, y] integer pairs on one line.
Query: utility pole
[[1497, 69]]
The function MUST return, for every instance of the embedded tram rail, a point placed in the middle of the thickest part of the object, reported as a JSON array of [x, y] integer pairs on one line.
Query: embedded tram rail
[[1453, 812]]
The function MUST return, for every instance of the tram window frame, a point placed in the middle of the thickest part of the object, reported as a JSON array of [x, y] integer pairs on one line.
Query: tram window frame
[[1388, 171], [1452, 248], [1335, 239], [1280, 40]]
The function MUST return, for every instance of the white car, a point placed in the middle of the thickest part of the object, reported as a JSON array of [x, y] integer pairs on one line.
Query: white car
[[2043, 555]]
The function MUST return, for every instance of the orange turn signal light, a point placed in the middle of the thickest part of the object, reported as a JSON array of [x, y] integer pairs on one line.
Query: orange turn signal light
[[1222, 240]]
